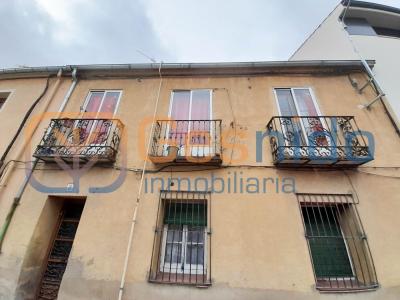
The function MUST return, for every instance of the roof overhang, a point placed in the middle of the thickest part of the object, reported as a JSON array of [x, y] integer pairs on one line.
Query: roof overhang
[[193, 69], [370, 5]]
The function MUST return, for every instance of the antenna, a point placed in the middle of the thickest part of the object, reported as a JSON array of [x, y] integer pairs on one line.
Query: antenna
[[145, 55]]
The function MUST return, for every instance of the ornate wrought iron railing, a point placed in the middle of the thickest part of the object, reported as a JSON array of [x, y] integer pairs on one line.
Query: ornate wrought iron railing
[[319, 141], [183, 141], [80, 139]]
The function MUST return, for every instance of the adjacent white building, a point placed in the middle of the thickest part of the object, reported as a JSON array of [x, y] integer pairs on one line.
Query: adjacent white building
[[358, 29]]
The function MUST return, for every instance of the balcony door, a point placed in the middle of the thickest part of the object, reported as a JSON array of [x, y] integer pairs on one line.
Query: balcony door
[[300, 102], [190, 129], [99, 107]]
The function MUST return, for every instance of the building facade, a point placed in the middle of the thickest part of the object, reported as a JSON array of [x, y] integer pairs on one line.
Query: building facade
[[361, 30], [201, 181]]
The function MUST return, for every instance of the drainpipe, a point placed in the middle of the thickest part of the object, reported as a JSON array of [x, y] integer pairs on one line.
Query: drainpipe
[[69, 93], [130, 239], [17, 198]]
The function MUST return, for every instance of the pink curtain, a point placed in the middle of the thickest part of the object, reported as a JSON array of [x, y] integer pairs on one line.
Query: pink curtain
[[201, 105], [200, 116], [94, 102], [179, 115], [107, 111], [305, 103], [307, 108], [110, 103], [81, 134]]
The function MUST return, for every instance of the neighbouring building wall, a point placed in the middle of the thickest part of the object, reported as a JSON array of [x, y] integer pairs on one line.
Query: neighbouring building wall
[[331, 41], [258, 247], [385, 51]]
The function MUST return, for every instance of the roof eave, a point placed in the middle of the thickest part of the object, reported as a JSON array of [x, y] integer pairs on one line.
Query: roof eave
[[193, 69], [371, 5]]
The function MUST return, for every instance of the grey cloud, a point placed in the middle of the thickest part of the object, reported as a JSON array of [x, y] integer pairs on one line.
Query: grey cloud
[[109, 32]]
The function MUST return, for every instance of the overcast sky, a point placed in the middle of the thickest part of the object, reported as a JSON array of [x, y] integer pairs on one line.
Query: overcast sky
[[60, 32]]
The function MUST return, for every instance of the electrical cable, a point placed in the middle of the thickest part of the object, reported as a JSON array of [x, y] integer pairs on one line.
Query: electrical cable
[[163, 169], [21, 126]]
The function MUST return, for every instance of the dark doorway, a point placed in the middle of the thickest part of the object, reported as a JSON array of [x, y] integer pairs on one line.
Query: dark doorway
[[59, 250]]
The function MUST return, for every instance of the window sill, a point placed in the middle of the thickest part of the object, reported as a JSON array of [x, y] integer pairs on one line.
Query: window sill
[[343, 286], [199, 281]]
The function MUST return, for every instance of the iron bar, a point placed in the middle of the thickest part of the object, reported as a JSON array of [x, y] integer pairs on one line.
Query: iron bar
[[195, 141], [324, 141], [337, 244], [181, 251], [82, 139]]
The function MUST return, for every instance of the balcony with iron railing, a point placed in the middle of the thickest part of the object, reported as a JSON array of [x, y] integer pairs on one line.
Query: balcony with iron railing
[[186, 142], [319, 141], [82, 140]]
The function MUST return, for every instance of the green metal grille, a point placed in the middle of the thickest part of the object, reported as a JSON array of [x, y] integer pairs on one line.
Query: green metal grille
[[337, 243], [327, 245], [194, 214]]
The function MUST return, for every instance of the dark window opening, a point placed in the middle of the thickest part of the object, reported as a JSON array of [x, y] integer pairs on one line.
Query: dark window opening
[[328, 248], [337, 243], [389, 32], [59, 250], [359, 26]]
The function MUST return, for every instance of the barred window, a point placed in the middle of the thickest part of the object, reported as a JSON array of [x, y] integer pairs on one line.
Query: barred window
[[337, 243], [182, 240]]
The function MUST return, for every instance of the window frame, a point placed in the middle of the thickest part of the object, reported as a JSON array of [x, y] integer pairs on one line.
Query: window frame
[[202, 276], [292, 89], [83, 111], [345, 242], [190, 101], [316, 106], [86, 101], [198, 149], [355, 240], [198, 269]]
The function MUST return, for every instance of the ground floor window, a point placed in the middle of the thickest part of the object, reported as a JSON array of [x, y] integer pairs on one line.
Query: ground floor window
[[182, 239], [338, 245]]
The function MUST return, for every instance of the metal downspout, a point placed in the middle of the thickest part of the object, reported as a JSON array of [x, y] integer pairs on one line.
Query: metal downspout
[[134, 217]]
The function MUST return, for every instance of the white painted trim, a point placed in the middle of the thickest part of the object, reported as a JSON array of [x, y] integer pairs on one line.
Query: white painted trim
[[279, 109], [171, 99], [177, 267], [102, 99], [347, 246], [100, 106], [189, 117], [11, 93], [313, 97], [296, 104], [315, 102]]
